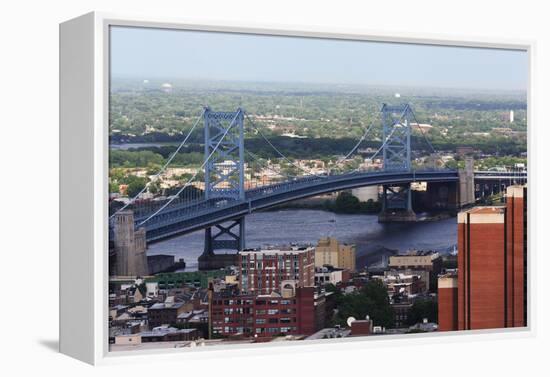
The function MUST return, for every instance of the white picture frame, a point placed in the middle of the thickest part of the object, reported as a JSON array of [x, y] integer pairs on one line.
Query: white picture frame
[[84, 85]]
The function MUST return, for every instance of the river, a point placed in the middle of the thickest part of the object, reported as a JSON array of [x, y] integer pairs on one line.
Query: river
[[372, 239]]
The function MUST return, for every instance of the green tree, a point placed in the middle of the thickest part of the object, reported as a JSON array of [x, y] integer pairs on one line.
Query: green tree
[[421, 309], [135, 185], [371, 300], [347, 203]]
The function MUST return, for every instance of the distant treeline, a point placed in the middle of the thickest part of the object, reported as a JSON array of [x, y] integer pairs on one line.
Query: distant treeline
[[321, 148], [474, 105]]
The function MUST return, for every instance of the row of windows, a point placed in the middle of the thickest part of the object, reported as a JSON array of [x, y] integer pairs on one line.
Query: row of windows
[[271, 257], [232, 302], [247, 330], [274, 330]]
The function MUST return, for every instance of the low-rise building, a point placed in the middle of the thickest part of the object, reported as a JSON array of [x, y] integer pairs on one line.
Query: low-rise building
[[165, 313], [399, 283], [333, 253], [169, 334], [426, 264], [330, 275]]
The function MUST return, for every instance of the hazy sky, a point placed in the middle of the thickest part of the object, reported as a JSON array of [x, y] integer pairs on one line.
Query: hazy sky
[[146, 53]]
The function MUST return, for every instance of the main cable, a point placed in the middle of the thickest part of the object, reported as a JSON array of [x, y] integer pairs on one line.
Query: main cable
[[194, 175], [163, 168]]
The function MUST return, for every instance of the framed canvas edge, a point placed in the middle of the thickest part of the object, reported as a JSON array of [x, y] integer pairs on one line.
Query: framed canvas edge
[[103, 21]]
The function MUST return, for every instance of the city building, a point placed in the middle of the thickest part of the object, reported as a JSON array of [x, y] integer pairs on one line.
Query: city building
[[492, 264], [293, 310], [165, 313], [426, 264], [398, 283], [401, 310], [197, 279], [263, 271], [330, 275], [330, 252], [361, 327], [169, 334], [447, 302]]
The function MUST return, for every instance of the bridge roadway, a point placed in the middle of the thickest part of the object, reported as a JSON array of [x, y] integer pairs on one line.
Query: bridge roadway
[[186, 218], [181, 219]]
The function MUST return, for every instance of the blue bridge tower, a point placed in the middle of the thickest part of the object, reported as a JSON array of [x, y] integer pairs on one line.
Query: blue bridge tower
[[223, 181], [396, 149]]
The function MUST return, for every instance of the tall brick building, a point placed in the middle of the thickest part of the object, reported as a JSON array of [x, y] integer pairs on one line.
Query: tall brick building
[[492, 264], [447, 302], [263, 271]]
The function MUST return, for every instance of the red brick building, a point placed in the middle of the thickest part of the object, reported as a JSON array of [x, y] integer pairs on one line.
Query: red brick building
[[447, 302], [492, 257], [516, 263], [262, 271], [298, 313]]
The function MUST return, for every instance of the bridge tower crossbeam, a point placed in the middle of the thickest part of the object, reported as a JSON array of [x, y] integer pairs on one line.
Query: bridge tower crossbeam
[[396, 149], [224, 170], [396, 127], [223, 181]]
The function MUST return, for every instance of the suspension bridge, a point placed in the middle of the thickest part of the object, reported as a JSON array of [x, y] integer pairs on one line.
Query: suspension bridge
[[223, 190]]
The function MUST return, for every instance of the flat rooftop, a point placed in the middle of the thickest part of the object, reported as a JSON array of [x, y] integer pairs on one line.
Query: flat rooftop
[[483, 215], [486, 210], [276, 251]]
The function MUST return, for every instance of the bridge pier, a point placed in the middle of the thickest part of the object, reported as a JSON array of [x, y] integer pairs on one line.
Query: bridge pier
[[397, 204], [130, 246], [222, 237]]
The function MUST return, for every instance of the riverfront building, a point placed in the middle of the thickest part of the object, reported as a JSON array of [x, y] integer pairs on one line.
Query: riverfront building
[[330, 252], [492, 264], [263, 271]]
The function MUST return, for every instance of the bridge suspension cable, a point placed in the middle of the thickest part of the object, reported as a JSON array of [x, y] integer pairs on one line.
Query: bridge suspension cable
[[277, 150], [163, 168], [190, 180], [356, 145], [426, 138], [257, 158]]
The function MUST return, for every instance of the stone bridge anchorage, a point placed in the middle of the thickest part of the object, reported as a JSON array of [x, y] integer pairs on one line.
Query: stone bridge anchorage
[[219, 203]]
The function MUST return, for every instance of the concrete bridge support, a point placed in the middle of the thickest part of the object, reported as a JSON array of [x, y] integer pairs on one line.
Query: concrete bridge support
[[130, 246], [222, 237], [439, 196], [397, 204]]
